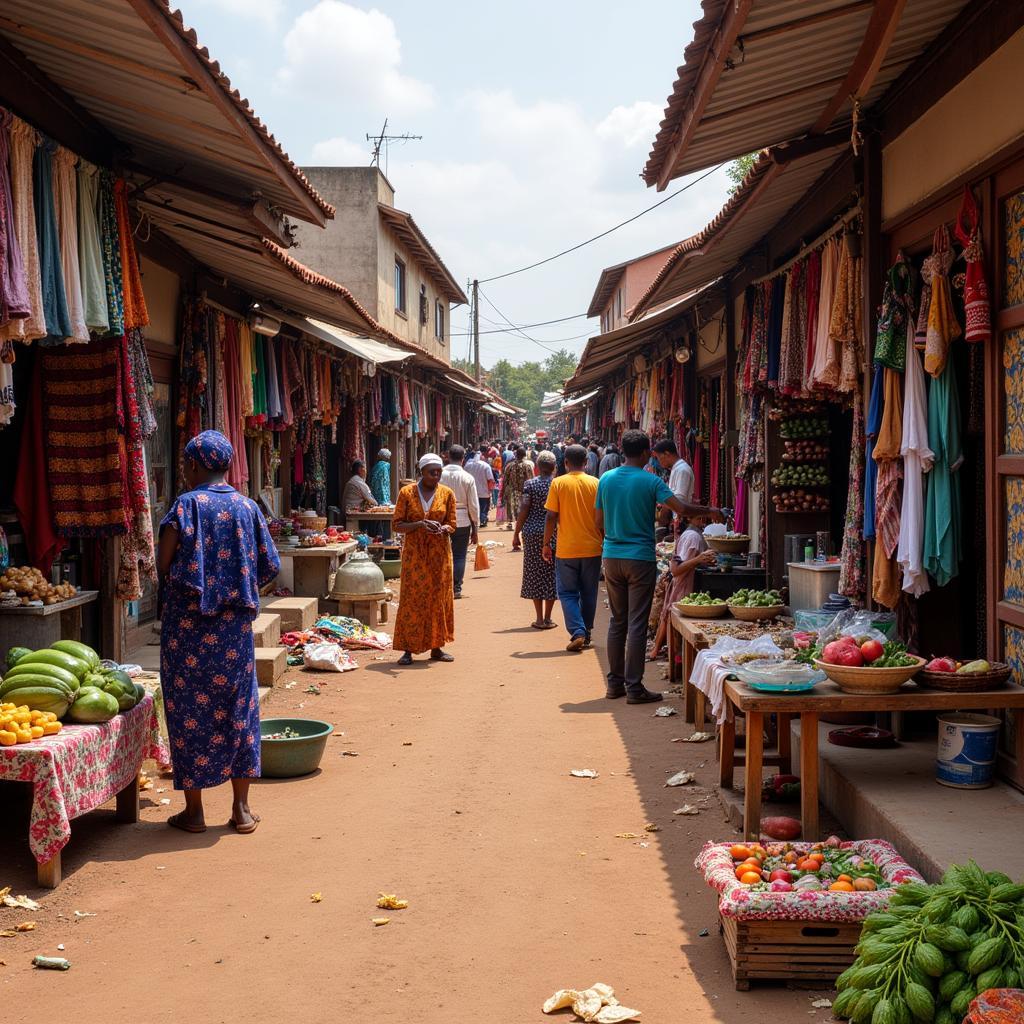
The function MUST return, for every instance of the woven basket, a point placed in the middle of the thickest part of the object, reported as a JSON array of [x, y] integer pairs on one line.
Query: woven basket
[[756, 614], [702, 611], [971, 682], [728, 545], [316, 523], [858, 679]]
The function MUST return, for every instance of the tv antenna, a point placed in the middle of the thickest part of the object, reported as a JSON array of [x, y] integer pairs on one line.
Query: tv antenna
[[382, 141]]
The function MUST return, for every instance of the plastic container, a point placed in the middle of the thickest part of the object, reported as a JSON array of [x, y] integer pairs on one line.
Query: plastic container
[[967, 750], [295, 755]]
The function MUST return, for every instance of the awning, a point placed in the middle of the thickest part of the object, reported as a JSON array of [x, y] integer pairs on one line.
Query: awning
[[773, 186], [477, 393], [761, 72], [605, 353], [580, 399], [364, 348], [139, 77], [504, 409]]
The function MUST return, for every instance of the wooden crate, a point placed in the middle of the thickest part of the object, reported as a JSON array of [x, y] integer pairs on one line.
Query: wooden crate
[[801, 952]]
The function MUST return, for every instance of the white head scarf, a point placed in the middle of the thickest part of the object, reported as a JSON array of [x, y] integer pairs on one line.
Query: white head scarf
[[430, 459], [384, 453]]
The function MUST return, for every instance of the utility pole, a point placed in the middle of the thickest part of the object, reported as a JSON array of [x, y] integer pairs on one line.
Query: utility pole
[[476, 328]]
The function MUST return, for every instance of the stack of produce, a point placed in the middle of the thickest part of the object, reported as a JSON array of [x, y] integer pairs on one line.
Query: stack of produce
[[805, 451], [23, 724], [803, 427], [701, 599], [800, 476], [67, 680], [935, 948], [28, 584], [800, 868], [746, 598], [800, 500]]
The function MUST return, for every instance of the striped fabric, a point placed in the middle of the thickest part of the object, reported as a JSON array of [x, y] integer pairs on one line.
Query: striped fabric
[[80, 389]]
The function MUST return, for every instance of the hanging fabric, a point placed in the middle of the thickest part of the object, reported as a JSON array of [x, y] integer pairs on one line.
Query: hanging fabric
[[825, 367], [55, 306], [110, 248], [851, 559], [885, 584], [845, 322], [977, 313], [65, 194], [794, 331], [896, 316], [14, 297], [941, 327], [813, 291], [90, 250], [871, 429], [942, 513], [135, 312], [23, 140]]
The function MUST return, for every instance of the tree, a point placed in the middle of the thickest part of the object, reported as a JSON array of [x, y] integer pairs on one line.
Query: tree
[[524, 384], [739, 169]]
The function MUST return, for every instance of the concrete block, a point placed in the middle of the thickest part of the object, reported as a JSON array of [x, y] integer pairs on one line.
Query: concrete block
[[295, 612], [266, 630], [271, 664]]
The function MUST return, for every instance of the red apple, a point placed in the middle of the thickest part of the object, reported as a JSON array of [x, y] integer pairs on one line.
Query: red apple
[[871, 650], [941, 665], [780, 875]]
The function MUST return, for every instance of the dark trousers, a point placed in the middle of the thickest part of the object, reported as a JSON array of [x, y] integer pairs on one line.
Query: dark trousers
[[630, 586], [460, 544], [576, 581], [485, 508]]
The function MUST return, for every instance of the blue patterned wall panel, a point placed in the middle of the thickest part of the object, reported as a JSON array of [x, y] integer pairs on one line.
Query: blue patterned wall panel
[[1013, 262]]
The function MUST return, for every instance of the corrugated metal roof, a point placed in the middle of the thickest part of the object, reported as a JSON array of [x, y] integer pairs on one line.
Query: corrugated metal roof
[[791, 58], [610, 278], [140, 72], [408, 231], [767, 194]]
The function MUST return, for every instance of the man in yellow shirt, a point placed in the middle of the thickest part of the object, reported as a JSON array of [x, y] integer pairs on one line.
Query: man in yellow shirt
[[570, 508]]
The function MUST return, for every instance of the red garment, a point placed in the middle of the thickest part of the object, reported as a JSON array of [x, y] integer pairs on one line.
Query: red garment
[[31, 489], [813, 293], [976, 305]]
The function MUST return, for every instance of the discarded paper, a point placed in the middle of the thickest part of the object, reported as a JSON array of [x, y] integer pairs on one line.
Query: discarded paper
[[821, 1004], [380, 921], [699, 737], [316, 897], [22, 902], [687, 809], [583, 773], [680, 779], [597, 1003], [665, 712], [389, 901], [626, 835]]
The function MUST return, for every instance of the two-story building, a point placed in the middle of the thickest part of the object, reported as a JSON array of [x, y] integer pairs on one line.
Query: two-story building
[[383, 257], [620, 287]]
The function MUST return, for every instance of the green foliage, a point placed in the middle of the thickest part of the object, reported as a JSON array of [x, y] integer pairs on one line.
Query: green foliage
[[739, 169]]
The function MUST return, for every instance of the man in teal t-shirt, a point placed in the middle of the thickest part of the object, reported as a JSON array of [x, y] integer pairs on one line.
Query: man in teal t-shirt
[[627, 500]]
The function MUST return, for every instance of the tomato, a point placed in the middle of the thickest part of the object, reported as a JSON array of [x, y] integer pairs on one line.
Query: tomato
[[840, 887], [864, 885], [739, 852], [780, 875], [808, 865], [819, 857], [751, 878], [871, 650]]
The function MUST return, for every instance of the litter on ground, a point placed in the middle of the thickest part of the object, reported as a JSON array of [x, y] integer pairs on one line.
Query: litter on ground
[[583, 773], [597, 1003], [665, 712], [389, 901], [687, 809], [680, 779]]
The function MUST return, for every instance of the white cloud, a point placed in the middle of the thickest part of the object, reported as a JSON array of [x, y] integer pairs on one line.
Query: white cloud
[[338, 53], [632, 126], [268, 12], [340, 152]]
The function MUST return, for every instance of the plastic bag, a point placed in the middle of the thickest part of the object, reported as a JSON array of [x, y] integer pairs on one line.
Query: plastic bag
[[327, 657], [482, 562], [855, 622]]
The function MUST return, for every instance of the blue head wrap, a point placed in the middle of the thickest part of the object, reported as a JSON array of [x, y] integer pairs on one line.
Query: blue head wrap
[[211, 449]]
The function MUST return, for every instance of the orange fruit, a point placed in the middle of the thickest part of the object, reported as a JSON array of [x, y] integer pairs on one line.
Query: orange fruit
[[808, 865], [845, 878], [864, 885], [792, 857], [739, 852], [752, 878], [841, 887], [819, 857]]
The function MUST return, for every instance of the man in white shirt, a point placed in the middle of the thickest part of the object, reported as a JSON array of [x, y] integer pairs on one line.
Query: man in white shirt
[[483, 476], [680, 476], [467, 512]]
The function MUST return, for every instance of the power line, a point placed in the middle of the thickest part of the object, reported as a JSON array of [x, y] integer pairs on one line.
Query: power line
[[542, 323], [515, 329], [636, 216]]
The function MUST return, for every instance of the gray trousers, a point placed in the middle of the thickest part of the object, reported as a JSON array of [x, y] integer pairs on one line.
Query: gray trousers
[[630, 585]]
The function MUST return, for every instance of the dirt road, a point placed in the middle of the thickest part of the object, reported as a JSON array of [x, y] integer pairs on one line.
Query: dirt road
[[461, 802]]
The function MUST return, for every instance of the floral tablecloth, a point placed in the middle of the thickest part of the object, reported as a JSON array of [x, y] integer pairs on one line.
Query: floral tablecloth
[[79, 769]]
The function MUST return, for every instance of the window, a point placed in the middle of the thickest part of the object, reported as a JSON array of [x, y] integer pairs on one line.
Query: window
[[439, 320], [424, 307], [400, 303], [618, 304]]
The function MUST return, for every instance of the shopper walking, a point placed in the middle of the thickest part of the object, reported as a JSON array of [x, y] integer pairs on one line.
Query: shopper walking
[[538, 570], [477, 467], [627, 499], [577, 557], [610, 460], [514, 478], [215, 553], [380, 478], [425, 513], [467, 512]]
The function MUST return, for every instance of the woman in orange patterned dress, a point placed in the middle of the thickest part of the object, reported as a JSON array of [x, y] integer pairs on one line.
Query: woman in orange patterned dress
[[425, 513]]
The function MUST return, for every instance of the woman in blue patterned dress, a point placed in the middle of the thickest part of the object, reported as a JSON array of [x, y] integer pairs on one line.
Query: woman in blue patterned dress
[[215, 554]]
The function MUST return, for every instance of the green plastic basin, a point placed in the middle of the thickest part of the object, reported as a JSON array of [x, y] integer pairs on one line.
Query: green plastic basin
[[296, 755]]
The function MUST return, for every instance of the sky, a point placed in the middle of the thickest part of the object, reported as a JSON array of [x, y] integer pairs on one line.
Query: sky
[[536, 117]]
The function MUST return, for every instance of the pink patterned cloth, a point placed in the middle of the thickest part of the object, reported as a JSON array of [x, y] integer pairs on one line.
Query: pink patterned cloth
[[79, 769], [739, 901]]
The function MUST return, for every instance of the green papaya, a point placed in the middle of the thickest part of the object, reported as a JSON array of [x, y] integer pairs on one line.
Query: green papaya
[[41, 698], [93, 706], [985, 955], [74, 665], [883, 1013], [42, 668], [34, 680], [78, 650], [961, 1001], [845, 1003], [866, 1006], [15, 654], [951, 984]]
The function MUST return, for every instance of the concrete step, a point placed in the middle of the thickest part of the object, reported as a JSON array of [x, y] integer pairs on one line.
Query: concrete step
[[271, 664], [266, 629], [295, 612]]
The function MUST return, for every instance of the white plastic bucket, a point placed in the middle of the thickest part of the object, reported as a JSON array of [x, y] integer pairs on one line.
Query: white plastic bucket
[[967, 750]]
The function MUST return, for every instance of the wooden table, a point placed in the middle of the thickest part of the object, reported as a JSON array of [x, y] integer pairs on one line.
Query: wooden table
[[825, 698], [353, 519], [41, 625], [312, 567]]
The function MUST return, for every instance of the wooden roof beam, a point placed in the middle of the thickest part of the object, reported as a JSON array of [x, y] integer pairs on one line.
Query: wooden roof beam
[[715, 56]]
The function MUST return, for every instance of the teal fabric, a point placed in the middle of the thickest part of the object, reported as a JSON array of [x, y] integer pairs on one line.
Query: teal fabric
[[629, 496], [943, 543], [380, 481]]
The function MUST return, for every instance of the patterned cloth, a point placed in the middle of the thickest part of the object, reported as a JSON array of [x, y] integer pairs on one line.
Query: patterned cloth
[[517, 473], [538, 575], [90, 251], [937, 325], [210, 449], [79, 769], [851, 558], [426, 607], [110, 250], [65, 193], [380, 482], [885, 585], [895, 316], [207, 665], [977, 312], [54, 301], [14, 300], [537, 489]]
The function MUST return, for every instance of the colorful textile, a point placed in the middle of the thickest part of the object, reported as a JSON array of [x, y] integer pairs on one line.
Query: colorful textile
[[225, 551], [426, 606], [65, 194], [135, 312], [537, 489], [917, 460], [110, 249], [851, 558], [941, 327], [211, 449], [380, 482], [845, 322], [80, 769], [943, 548], [516, 474], [55, 306], [996, 1006], [538, 575], [977, 312], [90, 250], [83, 455], [794, 334], [896, 316], [885, 587], [14, 298], [873, 425], [23, 139], [740, 901], [825, 368]]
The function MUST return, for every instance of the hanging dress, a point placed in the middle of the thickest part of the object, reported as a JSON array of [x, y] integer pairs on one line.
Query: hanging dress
[[14, 297], [885, 584], [825, 354], [55, 305], [90, 250], [23, 140], [65, 194]]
